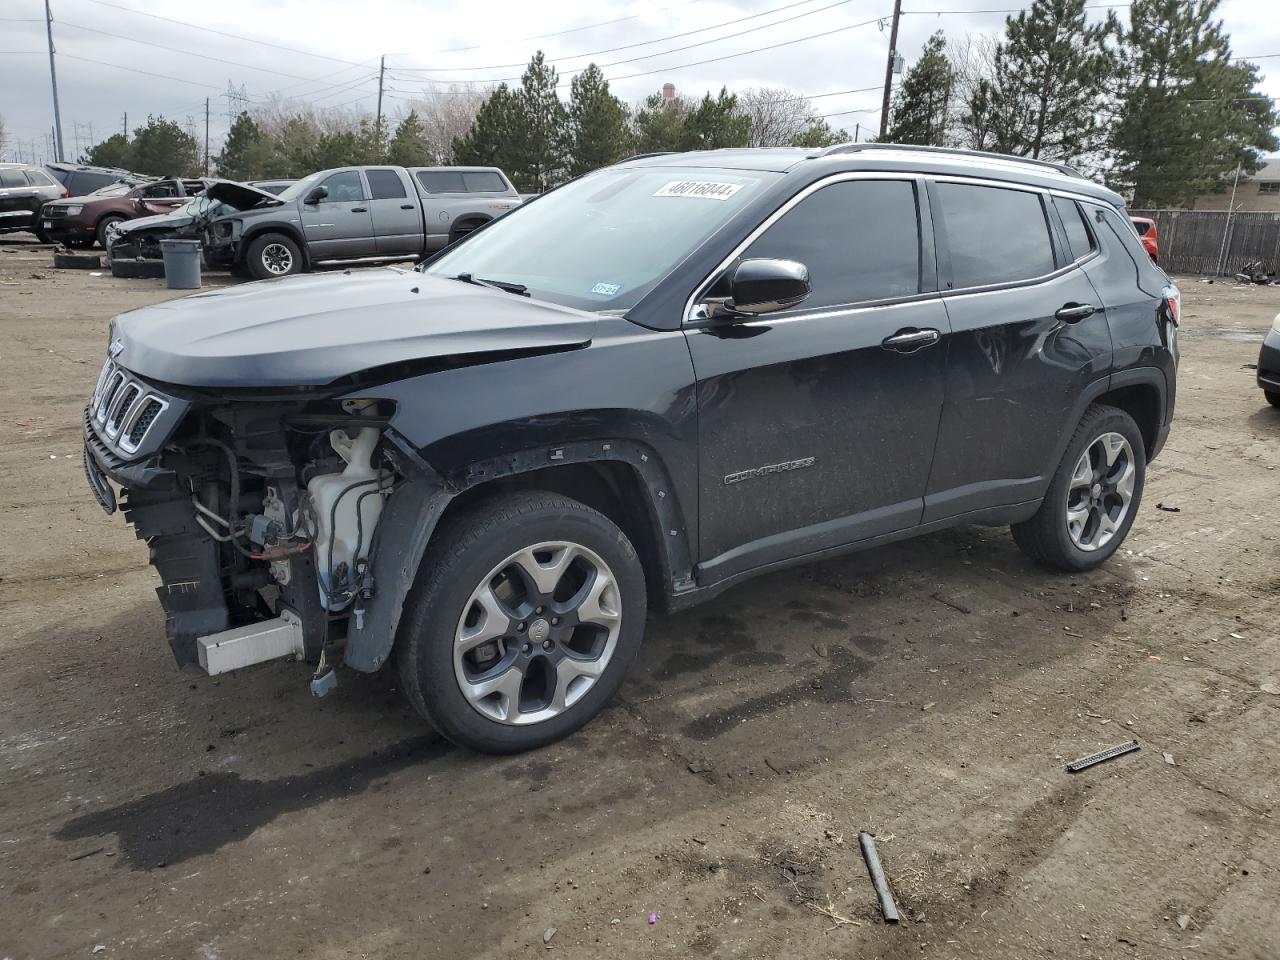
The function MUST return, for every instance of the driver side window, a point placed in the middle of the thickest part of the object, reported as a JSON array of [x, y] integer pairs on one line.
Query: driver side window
[[860, 240], [344, 187]]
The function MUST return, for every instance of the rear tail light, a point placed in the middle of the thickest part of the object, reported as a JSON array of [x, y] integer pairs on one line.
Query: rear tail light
[[1173, 303]]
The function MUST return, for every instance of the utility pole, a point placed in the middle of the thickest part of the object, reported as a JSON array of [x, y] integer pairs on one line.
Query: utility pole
[[888, 68], [124, 124], [382, 69], [206, 136], [857, 131], [53, 77]]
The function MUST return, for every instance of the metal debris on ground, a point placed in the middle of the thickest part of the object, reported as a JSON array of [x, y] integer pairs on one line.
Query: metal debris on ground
[[1075, 766], [1168, 508], [1184, 921], [1168, 758], [878, 880], [547, 934]]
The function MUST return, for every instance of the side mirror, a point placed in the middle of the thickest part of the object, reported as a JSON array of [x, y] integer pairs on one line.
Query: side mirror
[[318, 194], [760, 286]]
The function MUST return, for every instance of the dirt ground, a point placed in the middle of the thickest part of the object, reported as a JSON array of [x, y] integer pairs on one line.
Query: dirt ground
[[929, 692]]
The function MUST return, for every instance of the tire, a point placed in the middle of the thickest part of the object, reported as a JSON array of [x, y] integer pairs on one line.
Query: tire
[[273, 255], [40, 233], [1273, 397], [1050, 536], [479, 549], [76, 261], [103, 224], [138, 269]]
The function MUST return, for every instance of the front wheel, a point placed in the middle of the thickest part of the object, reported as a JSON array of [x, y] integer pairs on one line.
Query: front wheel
[[1273, 397], [105, 226], [273, 255], [1093, 497], [529, 611]]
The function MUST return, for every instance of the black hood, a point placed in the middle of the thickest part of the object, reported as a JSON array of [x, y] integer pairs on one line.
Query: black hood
[[241, 196], [312, 330]]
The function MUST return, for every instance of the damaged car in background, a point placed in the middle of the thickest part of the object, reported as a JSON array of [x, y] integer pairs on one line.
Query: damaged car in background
[[659, 379], [140, 239]]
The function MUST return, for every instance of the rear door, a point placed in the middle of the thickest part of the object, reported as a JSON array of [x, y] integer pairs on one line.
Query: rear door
[[339, 227], [817, 424], [397, 218], [1023, 350]]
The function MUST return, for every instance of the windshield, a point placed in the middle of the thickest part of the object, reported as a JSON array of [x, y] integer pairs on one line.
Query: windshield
[[303, 186], [604, 241], [113, 190]]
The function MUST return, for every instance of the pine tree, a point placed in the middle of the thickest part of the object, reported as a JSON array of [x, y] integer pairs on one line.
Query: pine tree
[[492, 139], [545, 126], [598, 134], [115, 151], [922, 105], [295, 147], [715, 123], [659, 124], [1047, 93], [409, 147], [820, 134], [246, 154], [1188, 113], [163, 149]]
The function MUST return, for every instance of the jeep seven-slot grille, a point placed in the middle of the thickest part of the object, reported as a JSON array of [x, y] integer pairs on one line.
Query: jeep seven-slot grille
[[124, 408]]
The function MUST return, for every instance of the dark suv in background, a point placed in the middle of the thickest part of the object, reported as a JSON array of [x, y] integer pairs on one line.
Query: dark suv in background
[[656, 381], [24, 189]]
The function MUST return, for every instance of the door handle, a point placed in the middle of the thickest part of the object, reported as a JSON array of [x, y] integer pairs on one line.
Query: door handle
[[359, 209], [406, 206], [1075, 312], [910, 340]]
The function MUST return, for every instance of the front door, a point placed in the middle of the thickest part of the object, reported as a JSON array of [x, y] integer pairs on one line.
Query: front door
[[817, 424], [339, 226]]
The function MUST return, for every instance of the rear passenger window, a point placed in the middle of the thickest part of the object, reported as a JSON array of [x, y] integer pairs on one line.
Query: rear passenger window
[[384, 184], [860, 240], [995, 235], [12, 178], [1079, 237]]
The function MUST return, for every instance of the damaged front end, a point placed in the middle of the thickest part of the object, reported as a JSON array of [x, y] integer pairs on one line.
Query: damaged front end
[[262, 513]]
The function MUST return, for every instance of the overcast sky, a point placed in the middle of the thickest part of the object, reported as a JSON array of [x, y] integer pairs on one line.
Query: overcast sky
[[326, 51]]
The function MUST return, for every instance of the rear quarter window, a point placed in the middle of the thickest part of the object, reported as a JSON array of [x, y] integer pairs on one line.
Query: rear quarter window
[[1079, 236], [994, 234]]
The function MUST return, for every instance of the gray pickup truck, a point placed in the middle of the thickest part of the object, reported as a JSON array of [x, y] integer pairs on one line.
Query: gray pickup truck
[[354, 213]]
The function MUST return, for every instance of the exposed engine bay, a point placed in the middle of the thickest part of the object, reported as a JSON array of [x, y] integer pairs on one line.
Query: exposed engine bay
[[262, 518]]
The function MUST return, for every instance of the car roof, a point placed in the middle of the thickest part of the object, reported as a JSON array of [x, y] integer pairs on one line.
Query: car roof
[[887, 157]]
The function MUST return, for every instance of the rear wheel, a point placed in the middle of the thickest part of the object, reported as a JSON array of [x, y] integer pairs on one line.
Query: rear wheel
[[529, 611], [1093, 497], [273, 255], [1273, 397]]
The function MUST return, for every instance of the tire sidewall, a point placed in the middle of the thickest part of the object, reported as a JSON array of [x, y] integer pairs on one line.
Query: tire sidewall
[[1109, 420], [440, 605], [255, 263]]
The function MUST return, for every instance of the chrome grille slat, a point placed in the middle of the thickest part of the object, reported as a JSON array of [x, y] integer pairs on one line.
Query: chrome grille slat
[[123, 408]]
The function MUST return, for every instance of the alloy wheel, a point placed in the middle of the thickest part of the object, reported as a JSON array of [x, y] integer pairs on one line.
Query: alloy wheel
[[537, 633], [277, 258], [1100, 492]]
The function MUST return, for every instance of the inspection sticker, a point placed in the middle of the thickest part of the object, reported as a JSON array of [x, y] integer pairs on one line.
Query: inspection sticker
[[606, 289], [705, 189]]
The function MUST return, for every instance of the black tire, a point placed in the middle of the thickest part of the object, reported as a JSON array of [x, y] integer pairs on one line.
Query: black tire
[[263, 251], [138, 269], [40, 234], [1045, 537], [76, 261], [463, 552], [101, 233], [1273, 397]]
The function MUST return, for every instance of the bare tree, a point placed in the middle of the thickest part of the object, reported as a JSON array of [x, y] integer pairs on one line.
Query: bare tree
[[778, 115], [446, 114], [4, 137], [973, 64]]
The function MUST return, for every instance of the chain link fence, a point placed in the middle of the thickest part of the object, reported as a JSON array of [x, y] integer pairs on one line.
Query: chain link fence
[[1191, 241]]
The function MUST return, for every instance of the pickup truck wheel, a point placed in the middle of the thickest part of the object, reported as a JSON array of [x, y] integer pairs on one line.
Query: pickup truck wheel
[[1094, 495], [273, 255], [104, 227], [527, 614]]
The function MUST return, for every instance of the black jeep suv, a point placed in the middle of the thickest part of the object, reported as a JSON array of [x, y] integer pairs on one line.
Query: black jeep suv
[[644, 386]]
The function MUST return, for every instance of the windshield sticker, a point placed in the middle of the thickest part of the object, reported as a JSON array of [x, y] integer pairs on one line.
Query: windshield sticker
[[606, 289], [705, 189]]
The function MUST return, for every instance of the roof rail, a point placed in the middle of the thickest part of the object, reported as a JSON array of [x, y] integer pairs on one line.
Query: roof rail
[[956, 151], [642, 156]]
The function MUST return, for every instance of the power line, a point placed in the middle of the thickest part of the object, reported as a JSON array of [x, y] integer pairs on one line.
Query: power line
[[645, 43], [941, 13]]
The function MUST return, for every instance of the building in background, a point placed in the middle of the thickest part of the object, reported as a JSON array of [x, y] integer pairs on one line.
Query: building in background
[[1257, 193]]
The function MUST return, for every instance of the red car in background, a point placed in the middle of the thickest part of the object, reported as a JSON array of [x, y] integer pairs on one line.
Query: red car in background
[[1146, 228]]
